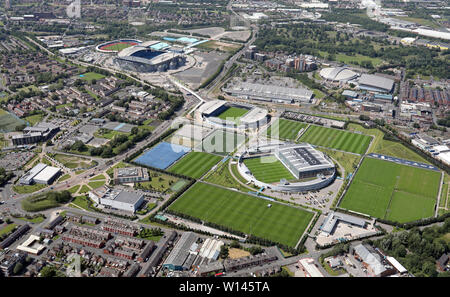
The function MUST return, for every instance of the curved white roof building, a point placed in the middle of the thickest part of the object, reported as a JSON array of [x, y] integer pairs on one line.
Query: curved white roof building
[[338, 74]]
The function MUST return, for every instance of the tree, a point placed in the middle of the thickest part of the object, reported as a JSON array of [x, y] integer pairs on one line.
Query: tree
[[20, 127], [223, 252], [18, 268], [48, 271], [134, 130]]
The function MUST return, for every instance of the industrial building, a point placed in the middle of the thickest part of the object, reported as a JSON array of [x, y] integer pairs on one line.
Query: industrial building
[[269, 93], [211, 249], [40, 174], [130, 175], [182, 255], [117, 199], [309, 267], [334, 218], [373, 262], [39, 133], [375, 83]]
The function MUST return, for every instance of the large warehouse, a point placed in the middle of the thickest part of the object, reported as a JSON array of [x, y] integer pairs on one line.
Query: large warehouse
[[338, 74], [375, 83], [40, 174], [150, 56], [117, 199], [270, 93], [302, 160]]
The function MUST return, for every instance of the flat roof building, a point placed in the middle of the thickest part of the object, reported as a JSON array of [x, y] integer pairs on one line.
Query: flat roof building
[[375, 83], [32, 245], [130, 175], [177, 260], [333, 219], [27, 178], [260, 92], [309, 267], [303, 160], [117, 198], [47, 175]]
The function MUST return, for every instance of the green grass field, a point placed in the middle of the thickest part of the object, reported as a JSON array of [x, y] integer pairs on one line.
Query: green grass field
[[268, 169], [8, 122], [195, 164], [336, 139], [96, 184], [387, 147], [7, 229], [241, 212], [64, 177], [34, 119], [221, 142], [233, 114], [27, 189], [72, 161], [387, 190], [285, 129], [89, 76]]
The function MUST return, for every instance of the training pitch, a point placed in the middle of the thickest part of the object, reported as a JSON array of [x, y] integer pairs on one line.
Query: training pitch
[[195, 164], [251, 215], [391, 191], [221, 142], [162, 155], [336, 139], [285, 129], [268, 169]]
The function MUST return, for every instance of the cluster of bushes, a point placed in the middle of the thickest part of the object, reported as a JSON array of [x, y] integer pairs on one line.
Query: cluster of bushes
[[417, 249], [5, 176], [46, 200]]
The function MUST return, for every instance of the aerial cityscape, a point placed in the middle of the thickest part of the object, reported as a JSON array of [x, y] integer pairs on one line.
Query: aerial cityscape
[[216, 139]]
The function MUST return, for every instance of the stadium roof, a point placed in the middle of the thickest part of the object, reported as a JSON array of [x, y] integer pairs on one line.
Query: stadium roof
[[304, 157], [254, 115], [135, 48], [338, 74], [211, 106], [376, 81]]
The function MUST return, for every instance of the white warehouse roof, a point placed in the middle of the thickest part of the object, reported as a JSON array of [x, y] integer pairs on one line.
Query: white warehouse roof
[[46, 174]]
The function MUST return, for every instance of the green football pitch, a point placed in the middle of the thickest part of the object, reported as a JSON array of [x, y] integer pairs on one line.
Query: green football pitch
[[336, 139], [285, 129], [251, 215], [268, 169], [391, 191], [195, 164], [221, 142], [233, 114]]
